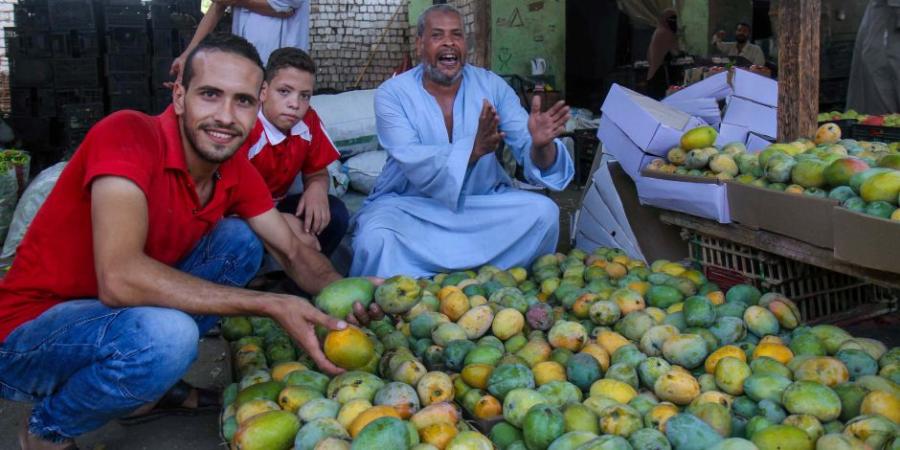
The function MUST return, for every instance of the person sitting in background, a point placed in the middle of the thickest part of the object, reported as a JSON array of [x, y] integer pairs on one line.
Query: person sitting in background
[[742, 46], [288, 140], [444, 201], [663, 45]]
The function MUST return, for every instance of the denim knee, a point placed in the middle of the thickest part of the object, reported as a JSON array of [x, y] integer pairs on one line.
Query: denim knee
[[340, 216], [236, 239], [156, 347]]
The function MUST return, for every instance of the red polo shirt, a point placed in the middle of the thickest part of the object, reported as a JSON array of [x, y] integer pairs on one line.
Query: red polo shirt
[[55, 261], [279, 158]]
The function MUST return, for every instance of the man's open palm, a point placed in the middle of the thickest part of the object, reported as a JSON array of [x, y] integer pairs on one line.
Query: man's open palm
[[546, 126]]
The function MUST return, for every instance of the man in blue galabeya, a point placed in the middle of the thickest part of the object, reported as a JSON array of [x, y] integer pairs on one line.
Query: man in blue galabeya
[[443, 201]]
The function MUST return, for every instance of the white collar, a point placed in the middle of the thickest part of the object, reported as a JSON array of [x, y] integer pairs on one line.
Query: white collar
[[275, 136]]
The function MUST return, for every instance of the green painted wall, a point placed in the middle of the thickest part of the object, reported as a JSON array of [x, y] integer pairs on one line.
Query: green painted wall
[[694, 27], [524, 30]]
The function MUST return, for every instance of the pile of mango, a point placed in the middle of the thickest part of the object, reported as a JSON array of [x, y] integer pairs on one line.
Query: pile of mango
[[863, 176], [882, 120], [582, 351]]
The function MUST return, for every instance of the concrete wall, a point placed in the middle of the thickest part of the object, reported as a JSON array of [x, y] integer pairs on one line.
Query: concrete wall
[[523, 30]]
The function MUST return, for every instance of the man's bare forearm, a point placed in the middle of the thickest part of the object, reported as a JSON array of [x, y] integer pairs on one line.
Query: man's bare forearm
[[305, 265], [143, 281], [544, 157]]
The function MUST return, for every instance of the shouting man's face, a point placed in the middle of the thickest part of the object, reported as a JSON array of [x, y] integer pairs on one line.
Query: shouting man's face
[[442, 47]]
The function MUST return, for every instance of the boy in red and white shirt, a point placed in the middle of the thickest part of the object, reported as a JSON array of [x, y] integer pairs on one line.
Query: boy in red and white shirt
[[290, 139]]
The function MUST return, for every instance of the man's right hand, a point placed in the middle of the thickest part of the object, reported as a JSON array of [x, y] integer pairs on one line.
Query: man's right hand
[[719, 35], [298, 317], [488, 137]]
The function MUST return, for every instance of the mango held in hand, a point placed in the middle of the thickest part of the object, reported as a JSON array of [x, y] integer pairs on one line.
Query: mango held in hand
[[349, 348], [698, 138], [337, 298], [398, 294]]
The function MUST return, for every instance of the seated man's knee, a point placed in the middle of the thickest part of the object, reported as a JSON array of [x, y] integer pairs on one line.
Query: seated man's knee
[[545, 210], [239, 240], [164, 340], [371, 240]]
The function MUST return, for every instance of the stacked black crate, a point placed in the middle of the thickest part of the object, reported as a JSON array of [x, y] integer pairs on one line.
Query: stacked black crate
[[77, 80], [30, 54], [127, 59], [172, 25]]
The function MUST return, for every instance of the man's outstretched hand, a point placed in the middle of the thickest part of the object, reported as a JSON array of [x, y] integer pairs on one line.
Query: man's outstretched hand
[[548, 125], [488, 137], [299, 317]]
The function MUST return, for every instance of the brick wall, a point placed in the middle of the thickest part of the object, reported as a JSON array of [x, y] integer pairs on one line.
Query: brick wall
[[6, 20], [345, 35]]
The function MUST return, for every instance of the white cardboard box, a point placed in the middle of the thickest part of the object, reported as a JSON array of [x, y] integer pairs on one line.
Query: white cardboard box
[[729, 132], [760, 89], [652, 126], [706, 108], [757, 117], [756, 143], [708, 200], [617, 144], [716, 87]]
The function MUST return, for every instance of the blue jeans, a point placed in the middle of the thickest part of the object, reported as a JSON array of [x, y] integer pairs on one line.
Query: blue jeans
[[83, 363]]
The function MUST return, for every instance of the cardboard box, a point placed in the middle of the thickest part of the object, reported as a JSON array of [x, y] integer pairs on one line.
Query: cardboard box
[[610, 209], [756, 143], [751, 86], [617, 144], [757, 117], [716, 87], [801, 217], [867, 241], [697, 196], [652, 126], [706, 108], [729, 132]]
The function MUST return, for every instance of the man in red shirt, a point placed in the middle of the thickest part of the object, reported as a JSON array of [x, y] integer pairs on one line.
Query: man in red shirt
[[131, 257], [289, 139]]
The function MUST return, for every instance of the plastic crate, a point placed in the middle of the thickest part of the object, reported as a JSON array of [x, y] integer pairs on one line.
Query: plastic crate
[[160, 72], [820, 294], [80, 116], [137, 103], [127, 41], [127, 84], [184, 14], [875, 133], [170, 42], [68, 15], [27, 43], [30, 72], [836, 59], [32, 102], [74, 96], [132, 63], [162, 98], [73, 73], [32, 15], [833, 92], [75, 44], [130, 14], [72, 139], [35, 134]]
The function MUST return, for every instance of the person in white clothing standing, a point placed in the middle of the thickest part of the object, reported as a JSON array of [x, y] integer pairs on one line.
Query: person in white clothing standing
[[267, 24], [741, 47]]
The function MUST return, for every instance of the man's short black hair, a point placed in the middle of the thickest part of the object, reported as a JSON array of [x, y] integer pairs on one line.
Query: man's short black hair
[[744, 24], [222, 42], [289, 57]]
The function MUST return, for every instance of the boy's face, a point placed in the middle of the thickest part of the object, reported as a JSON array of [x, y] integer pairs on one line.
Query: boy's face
[[287, 97]]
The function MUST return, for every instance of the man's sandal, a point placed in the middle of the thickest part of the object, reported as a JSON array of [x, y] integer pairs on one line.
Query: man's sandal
[[172, 404]]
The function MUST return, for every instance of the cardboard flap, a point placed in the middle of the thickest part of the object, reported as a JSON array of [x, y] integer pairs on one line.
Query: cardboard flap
[[706, 200], [805, 218], [867, 241], [755, 87], [729, 132], [706, 109], [757, 143], [617, 144], [757, 117], [715, 87], [654, 127]]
